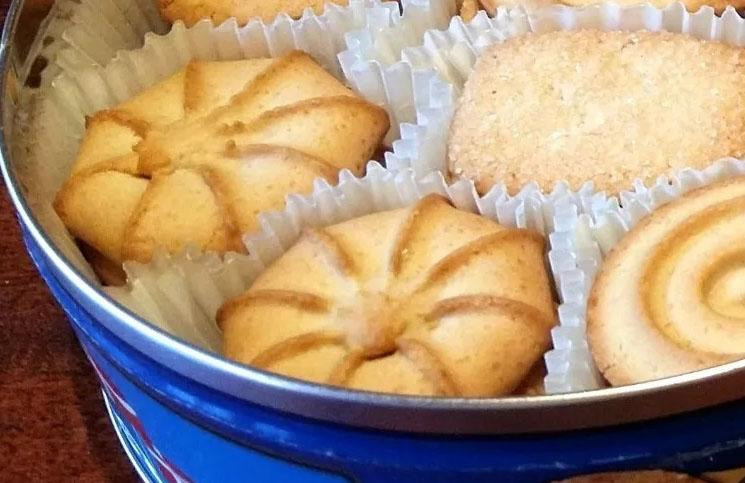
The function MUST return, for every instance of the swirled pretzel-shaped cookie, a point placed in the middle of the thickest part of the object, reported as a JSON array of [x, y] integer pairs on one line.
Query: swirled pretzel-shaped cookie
[[427, 300], [669, 299], [196, 157]]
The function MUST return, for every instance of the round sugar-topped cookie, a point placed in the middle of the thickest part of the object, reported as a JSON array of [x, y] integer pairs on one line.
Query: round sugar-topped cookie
[[425, 300], [192, 11], [608, 107], [469, 8]]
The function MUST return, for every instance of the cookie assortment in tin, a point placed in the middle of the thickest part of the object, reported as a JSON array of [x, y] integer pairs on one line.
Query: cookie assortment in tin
[[326, 240]]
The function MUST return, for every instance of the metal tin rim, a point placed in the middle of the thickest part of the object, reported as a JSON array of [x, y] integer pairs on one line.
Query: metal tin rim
[[487, 416]]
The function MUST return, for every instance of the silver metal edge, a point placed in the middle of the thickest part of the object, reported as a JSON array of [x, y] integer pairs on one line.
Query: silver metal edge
[[390, 412], [127, 444]]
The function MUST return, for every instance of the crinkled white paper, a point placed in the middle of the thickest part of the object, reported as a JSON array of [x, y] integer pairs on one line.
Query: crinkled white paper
[[387, 65], [82, 33]]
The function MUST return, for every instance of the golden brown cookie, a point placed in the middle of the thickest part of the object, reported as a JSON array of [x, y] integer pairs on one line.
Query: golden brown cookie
[[195, 158], [650, 476], [427, 300], [469, 8], [668, 298], [603, 106], [192, 11], [690, 5]]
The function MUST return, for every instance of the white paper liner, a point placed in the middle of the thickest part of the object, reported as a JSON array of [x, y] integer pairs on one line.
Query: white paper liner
[[182, 293], [383, 42], [82, 33], [580, 242], [184, 301], [51, 122], [373, 62]]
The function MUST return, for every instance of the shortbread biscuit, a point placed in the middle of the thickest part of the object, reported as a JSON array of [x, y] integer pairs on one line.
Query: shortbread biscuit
[[608, 107], [469, 8], [648, 476], [690, 5], [195, 158], [192, 11], [426, 300], [668, 298]]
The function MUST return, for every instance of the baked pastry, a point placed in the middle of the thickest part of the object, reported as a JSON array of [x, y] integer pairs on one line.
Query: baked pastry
[[690, 5], [427, 300], [603, 106], [678, 275], [469, 8], [192, 11], [649, 476], [194, 159]]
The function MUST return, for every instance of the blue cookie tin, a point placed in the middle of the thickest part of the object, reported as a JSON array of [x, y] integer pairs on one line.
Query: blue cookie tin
[[183, 414]]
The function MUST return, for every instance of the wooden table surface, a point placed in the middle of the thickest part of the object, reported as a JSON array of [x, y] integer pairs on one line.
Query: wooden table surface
[[53, 424]]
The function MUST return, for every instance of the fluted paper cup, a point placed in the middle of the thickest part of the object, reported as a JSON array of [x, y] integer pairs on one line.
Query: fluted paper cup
[[82, 33]]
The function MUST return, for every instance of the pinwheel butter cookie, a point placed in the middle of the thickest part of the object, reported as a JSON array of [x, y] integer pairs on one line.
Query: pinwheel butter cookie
[[194, 159], [669, 297], [192, 11], [427, 300], [609, 107]]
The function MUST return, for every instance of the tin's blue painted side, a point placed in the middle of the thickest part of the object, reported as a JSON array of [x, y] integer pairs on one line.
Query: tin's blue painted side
[[183, 419], [171, 448]]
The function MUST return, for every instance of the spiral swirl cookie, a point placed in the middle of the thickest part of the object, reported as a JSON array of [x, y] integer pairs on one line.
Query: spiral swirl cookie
[[427, 300], [194, 159], [192, 11], [603, 106], [669, 297]]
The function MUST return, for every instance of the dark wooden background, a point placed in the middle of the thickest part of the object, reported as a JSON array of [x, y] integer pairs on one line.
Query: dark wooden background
[[53, 425]]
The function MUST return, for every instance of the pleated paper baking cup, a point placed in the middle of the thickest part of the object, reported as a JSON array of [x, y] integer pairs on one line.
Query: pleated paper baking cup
[[388, 71], [81, 33], [84, 33], [385, 41], [182, 293], [372, 50]]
